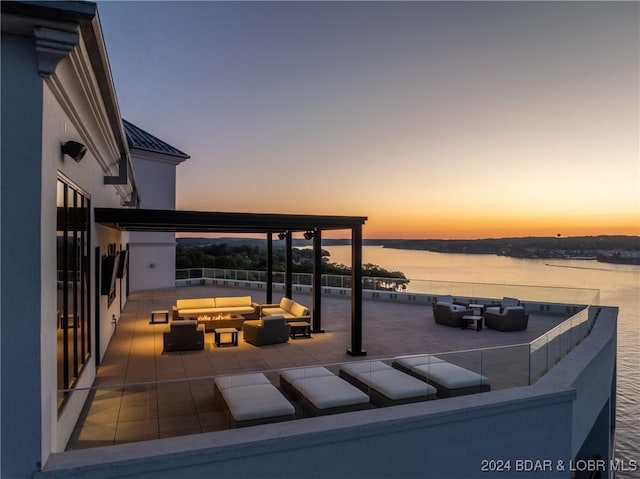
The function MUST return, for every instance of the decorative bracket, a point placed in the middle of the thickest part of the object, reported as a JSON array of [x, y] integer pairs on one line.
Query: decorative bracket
[[52, 46]]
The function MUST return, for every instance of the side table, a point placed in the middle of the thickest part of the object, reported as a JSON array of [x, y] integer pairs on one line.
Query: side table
[[233, 332], [299, 329], [470, 318], [159, 312]]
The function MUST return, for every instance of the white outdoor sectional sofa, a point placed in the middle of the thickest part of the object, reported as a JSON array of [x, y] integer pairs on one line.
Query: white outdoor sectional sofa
[[288, 308], [186, 308]]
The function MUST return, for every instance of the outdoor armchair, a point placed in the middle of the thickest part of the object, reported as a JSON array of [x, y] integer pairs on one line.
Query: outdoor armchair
[[268, 330], [511, 318], [450, 314]]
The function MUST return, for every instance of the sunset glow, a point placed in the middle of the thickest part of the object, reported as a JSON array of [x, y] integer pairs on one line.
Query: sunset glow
[[435, 120]]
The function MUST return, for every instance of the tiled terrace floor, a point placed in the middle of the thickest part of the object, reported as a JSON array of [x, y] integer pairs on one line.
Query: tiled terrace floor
[[180, 398]]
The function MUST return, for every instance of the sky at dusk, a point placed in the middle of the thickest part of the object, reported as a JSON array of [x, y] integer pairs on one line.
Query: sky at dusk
[[433, 119]]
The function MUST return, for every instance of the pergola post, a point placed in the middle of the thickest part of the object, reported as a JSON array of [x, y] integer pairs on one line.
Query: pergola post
[[288, 266], [316, 318], [269, 268], [356, 292]]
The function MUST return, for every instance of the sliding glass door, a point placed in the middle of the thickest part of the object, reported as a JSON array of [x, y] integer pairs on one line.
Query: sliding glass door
[[73, 286]]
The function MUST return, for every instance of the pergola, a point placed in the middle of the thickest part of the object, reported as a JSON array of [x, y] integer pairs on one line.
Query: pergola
[[181, 221]]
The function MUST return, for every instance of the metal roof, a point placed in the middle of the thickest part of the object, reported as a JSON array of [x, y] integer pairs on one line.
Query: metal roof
[[142, 140], [216, 222]]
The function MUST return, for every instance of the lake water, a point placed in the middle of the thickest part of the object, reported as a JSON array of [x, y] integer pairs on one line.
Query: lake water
[[619, 285]]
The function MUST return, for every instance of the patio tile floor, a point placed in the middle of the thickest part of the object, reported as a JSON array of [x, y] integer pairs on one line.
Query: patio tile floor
[[180, 398]]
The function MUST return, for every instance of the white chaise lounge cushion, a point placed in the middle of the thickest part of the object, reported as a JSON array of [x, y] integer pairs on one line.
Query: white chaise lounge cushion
[[364, 367], [294, 374], [252, 396], [256, 401], [449, 375], [323, 388], [412, 361], [388, 381], [237, 380], [329, 391]]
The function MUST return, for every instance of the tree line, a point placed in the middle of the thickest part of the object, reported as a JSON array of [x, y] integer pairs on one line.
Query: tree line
[[254, 257]]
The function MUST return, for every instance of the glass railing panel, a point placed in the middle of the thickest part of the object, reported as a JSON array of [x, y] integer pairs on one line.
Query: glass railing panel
[[483, 292]]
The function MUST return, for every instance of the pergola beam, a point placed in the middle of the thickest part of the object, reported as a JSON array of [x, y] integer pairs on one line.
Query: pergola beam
[[181, 221]]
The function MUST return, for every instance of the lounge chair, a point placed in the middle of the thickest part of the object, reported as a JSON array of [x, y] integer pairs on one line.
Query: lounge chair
[[321, 391], [450, 314], [385, 385], [505, 302], [183, 336], [449, 379], [251, 399], [268, 330], [512, 318]]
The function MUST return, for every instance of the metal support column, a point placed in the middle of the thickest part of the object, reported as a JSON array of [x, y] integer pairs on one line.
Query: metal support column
[[356, 292], [316, 318], [269, 268], [288, 266]]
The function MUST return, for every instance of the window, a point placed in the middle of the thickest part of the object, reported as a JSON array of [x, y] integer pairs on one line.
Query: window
[[73, 291]]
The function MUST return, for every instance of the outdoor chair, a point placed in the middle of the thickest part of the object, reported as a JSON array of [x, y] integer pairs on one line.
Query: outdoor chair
[[450, 314], [512, 318], [268, 330]]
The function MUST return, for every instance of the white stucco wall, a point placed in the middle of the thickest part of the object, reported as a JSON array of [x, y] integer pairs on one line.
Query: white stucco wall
[[152, 263], [67, 116], [20, 267]]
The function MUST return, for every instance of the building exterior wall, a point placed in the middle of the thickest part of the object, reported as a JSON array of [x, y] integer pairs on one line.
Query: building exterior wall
[[41, 112], [20, 242], [69, 114], [152, 261], [153, 255]]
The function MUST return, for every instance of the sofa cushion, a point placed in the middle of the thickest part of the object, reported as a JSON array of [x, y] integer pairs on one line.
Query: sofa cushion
[[275, 312], [232, 309], [273, 319], [197, 303], [507, 302], [232, 301], [512, 308], [298, 310], [444, 299], [285, 304]]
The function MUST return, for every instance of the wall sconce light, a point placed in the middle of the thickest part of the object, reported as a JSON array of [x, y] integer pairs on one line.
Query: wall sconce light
[[282, 236], [308, 235], [74, 149]]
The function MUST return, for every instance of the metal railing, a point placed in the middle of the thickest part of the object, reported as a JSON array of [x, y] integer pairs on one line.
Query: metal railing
[[526, 293]]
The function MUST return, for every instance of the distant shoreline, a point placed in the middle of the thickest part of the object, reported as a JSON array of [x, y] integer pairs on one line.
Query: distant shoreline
[[604, 249]]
